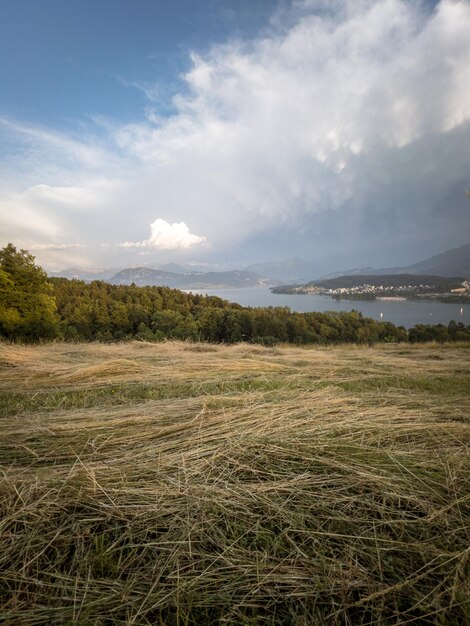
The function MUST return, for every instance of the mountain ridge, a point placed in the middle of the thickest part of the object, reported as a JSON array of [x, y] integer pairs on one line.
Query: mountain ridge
[[143, 276], [450, 263]]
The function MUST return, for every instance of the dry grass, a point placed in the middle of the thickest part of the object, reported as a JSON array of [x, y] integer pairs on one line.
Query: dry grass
[[199, 484]]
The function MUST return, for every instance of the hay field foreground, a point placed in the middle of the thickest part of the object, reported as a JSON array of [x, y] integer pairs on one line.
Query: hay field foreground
[[198, 484]]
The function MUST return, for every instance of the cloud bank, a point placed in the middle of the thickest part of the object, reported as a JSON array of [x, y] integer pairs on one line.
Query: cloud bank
[[344, 126]]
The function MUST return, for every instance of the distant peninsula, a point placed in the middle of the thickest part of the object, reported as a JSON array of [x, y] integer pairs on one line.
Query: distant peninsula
[[385, 286]]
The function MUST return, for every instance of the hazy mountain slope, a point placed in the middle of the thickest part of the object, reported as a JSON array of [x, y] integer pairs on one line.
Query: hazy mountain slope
[[143, 276], [455, 262], [86, 275]]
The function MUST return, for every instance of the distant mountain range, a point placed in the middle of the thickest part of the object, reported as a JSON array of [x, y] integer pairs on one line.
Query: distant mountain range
[[143, 276], [86, 275], [455, 262]]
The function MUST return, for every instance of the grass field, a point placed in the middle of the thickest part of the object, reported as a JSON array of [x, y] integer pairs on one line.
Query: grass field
[[201, 484]]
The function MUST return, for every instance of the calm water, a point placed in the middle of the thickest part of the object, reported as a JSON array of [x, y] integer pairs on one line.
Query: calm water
[[407, 313]]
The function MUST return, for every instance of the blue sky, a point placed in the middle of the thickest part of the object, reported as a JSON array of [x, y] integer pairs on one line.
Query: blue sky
[[232, 131], [66, 60]]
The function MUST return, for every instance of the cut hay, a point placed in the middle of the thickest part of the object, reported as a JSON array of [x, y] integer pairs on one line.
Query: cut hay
[[167, 484]]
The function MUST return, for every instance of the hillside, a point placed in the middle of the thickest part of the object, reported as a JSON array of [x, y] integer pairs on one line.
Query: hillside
[[454, 262], [371, 286], [196, 484]]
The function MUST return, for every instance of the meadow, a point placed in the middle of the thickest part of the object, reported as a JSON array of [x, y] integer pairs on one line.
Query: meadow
[[189, 483]]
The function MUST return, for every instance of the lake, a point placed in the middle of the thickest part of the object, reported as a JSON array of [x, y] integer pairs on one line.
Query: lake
[[402, 313]]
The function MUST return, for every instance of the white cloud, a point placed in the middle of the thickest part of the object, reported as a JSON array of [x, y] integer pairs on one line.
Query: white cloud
[[165, 236], [298, 122], [59, 246], [87, 152], [63, 225], [87, 196]]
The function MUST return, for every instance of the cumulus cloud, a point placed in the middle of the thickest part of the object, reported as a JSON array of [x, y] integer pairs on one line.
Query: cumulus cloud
[[339, 109], [165, 236], [343, 123]]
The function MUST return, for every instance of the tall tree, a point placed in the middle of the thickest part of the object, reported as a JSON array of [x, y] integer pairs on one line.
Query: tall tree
[[27, 302]]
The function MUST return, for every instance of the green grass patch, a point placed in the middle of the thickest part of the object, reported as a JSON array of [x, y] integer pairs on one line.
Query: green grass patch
[[441, 385], [14, 403]]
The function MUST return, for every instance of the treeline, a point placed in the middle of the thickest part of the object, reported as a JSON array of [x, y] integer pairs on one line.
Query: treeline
[[107, 312], [34, 308]]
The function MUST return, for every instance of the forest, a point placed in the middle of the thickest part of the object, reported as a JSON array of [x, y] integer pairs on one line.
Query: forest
[[35, 308]]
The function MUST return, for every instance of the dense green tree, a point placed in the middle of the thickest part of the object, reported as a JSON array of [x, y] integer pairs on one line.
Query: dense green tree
[[27, 301], [426, 332]]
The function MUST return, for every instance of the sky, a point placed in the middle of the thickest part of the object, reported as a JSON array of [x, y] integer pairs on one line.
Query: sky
[[231, 132]]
